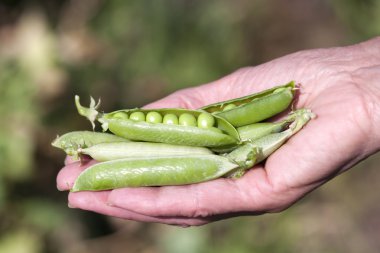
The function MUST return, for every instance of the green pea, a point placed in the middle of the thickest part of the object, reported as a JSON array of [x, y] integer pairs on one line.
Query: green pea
[[137, 116], [186, 119], [156, 171], [120, 115], [153, 117], [170, 119], [229, 107], [205, 120]]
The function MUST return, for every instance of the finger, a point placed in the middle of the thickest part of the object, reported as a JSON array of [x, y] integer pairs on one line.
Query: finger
[[249, 193], [68, 174], [97, 202]]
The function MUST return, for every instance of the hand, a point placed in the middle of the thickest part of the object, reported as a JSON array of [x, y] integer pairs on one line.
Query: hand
[[340, 85]]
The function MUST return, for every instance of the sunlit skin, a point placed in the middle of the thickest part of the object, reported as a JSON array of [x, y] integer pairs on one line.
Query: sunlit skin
[[340, 85]]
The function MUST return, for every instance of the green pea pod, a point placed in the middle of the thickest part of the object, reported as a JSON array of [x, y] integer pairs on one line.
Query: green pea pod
[[265, 146], [72, 141], [254, 108], [223, 133], [257, 130], [113, 151], [156, 171], [270, 143]]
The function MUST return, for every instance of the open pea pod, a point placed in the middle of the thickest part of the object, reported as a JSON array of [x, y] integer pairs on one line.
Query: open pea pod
[[256, 107], [198, 128]]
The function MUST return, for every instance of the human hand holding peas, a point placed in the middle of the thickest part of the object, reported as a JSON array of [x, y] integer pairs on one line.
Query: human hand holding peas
[[340, 85]]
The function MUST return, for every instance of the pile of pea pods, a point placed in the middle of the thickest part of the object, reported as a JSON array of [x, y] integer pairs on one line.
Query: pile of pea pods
[[175, 146]]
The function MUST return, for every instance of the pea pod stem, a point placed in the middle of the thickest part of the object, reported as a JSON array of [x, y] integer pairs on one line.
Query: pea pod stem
[[91, 112]]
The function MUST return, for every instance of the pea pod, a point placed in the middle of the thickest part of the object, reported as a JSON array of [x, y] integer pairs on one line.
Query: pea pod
[[113, 151], [253, 132], [254, 108], [140, 130], [72, 141], [257, 130], [156, 171], [270, 143], [265, 146]]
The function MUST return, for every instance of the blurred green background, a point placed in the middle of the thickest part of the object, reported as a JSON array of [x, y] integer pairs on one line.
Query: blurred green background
[[120, 49]]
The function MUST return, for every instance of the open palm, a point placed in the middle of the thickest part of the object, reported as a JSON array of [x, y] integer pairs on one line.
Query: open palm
[[340, 85]]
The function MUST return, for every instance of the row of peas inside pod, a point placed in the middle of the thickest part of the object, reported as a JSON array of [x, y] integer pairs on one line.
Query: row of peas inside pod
[[176, 146]]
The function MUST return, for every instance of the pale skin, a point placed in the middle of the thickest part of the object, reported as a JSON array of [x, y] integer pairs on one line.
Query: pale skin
[[340, 85]]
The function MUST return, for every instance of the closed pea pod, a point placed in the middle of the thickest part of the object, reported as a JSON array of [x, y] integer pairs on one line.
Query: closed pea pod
[[113, 151], [157, 171], [254, 108]]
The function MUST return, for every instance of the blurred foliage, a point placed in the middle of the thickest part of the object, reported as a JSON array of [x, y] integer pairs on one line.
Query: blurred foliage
[[361, 16], [130, 53]]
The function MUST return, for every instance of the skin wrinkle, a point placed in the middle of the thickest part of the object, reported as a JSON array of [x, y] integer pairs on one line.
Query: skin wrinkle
[[196, 210], [92, 203], [295, 156], [372, 47], [242, 195], [370, 107], [261, 189]]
